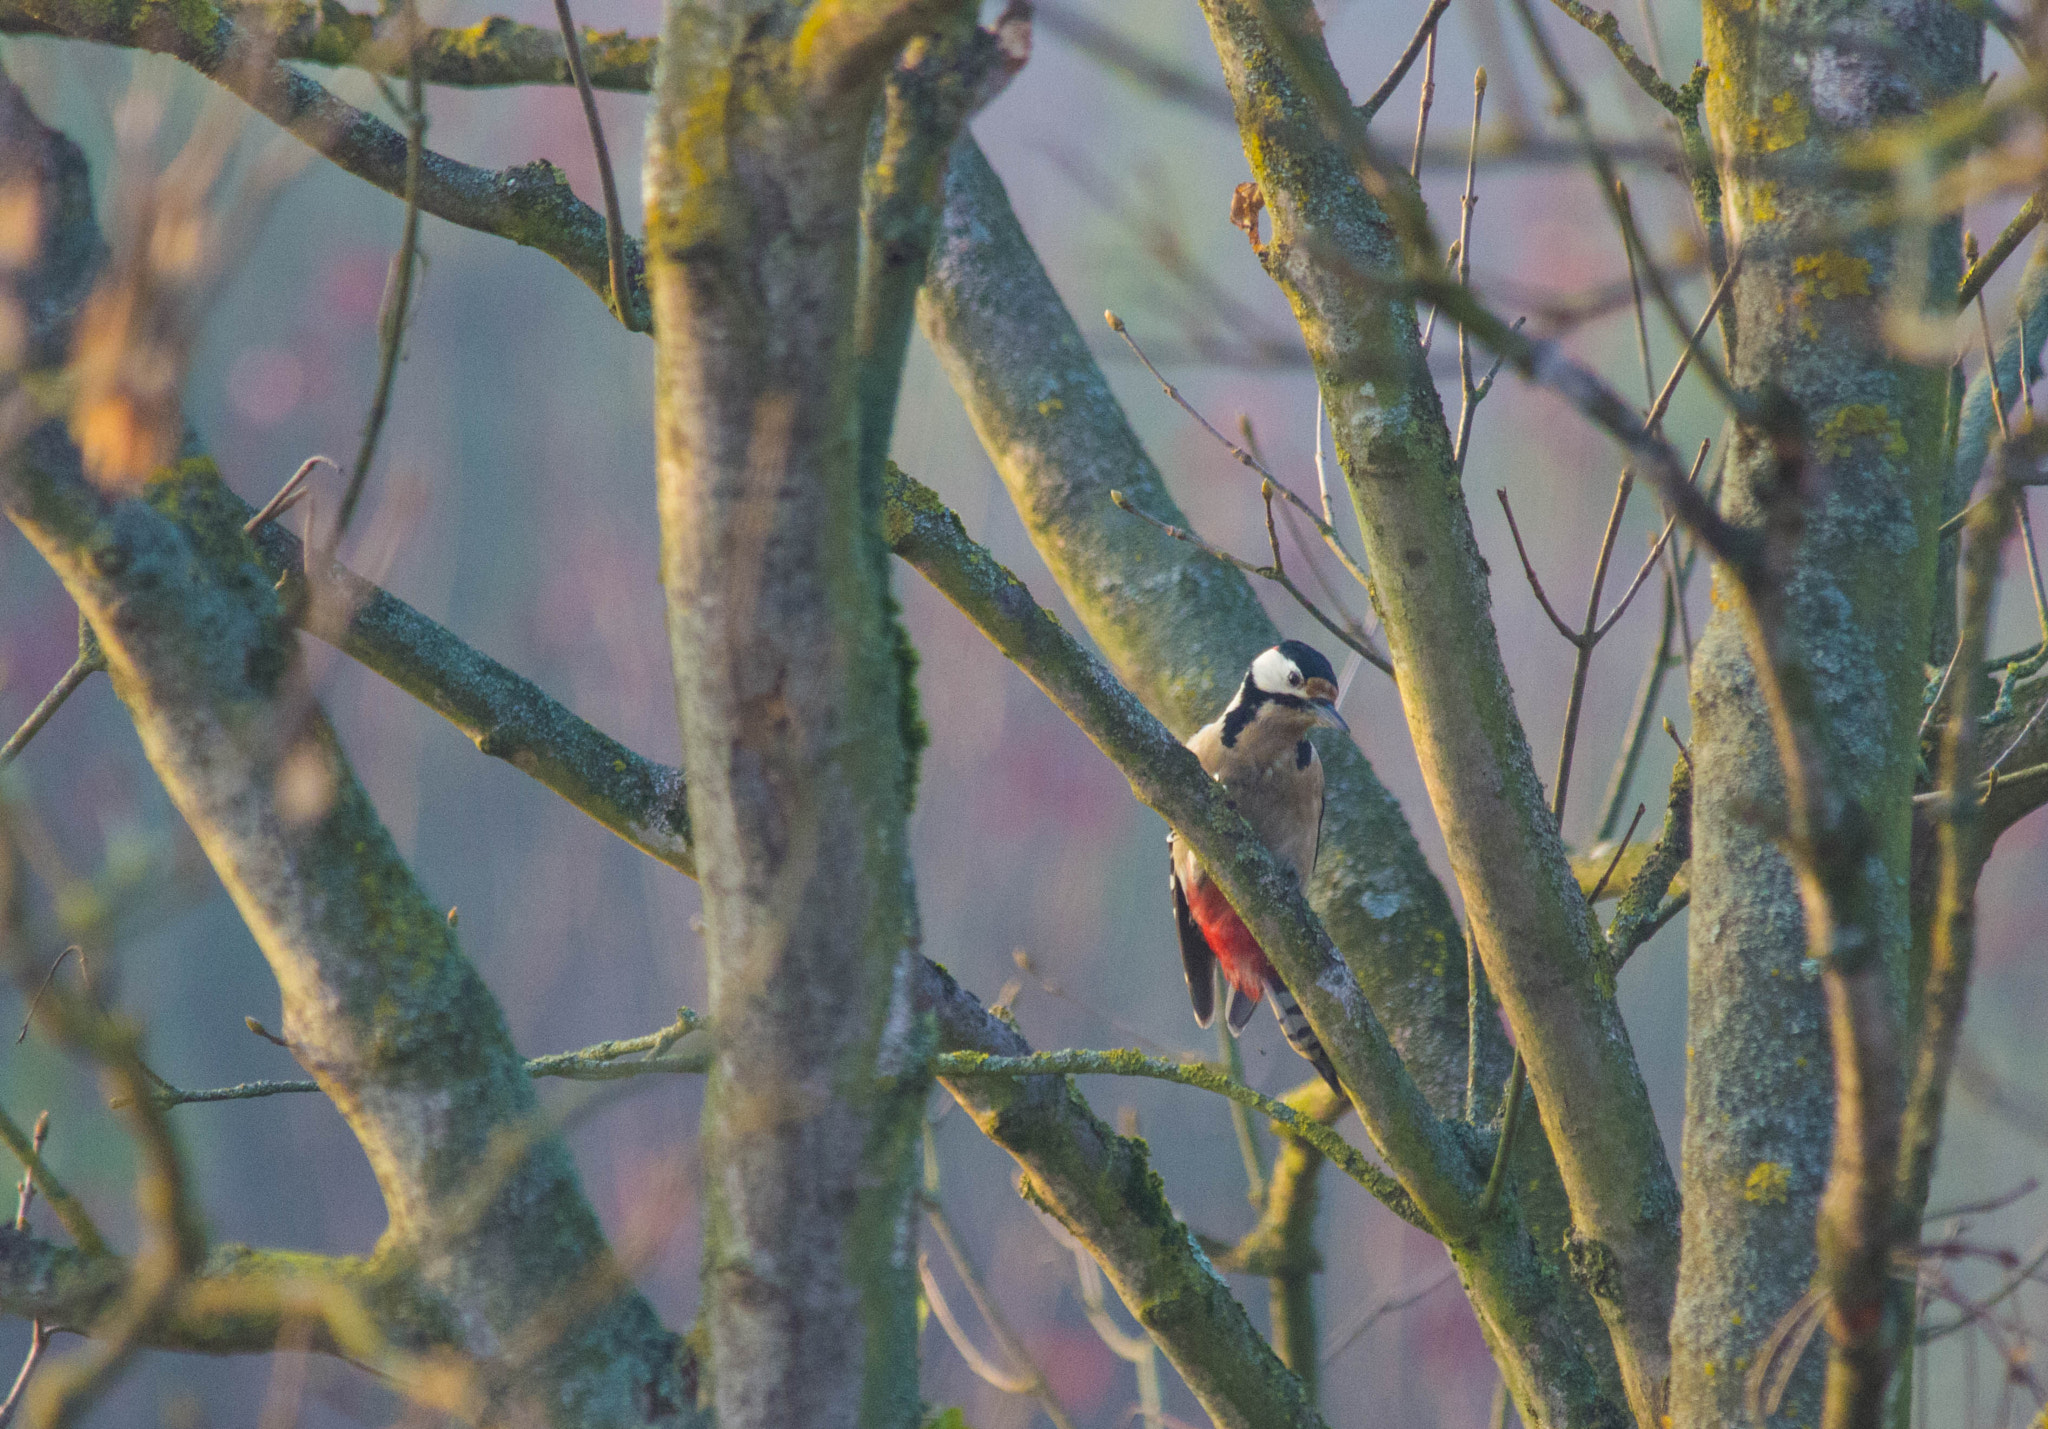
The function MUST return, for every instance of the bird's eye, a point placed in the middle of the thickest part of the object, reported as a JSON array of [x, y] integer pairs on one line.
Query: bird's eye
[[1294, 677]]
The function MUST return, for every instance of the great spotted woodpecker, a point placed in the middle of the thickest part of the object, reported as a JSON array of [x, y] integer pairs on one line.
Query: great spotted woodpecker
[[1258, 750]]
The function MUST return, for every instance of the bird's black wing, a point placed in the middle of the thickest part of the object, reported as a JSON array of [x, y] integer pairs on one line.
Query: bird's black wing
[[1197, 959]]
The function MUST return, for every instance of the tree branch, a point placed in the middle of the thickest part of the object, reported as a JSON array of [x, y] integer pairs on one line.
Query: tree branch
[[375, 990], [1530, 1322], [1290, 1121], [532, 204], [1100, 1187], [506, 715], [492, 52], [1337, 218]]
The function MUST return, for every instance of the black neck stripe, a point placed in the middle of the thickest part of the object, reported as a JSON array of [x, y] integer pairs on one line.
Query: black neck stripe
[[1245, 708]]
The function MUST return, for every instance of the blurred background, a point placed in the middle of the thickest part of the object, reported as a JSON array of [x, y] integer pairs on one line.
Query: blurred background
[[513, 501]]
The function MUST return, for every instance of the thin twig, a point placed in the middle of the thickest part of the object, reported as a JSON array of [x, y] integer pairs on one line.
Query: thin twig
[[1934, 705], [1621, 848], [1031, 1379], [603, 1062], [29, 1018], [1679, 577], [27, 1191], [1679, 103], [1123, 1062], [2015, 233], [1325, 529], [1468, 395], [1241, 1120], [1393, 1305], [1322, 477], [1428, 98], [1991, 356], [1136, 1350], [1424, 33], [1635, 291], [1511, 1115], [67, 685], [2033, 558], [614, 226], [289, 495], [2025, 730], [396, 314], [1529, 569], [39, 1340], [1273, 573], [1572, 106], [69, 1211], [1642, 572], [984, 1368], [39, 1333]]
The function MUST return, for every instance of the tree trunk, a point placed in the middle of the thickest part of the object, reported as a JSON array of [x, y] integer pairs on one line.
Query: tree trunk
[[791, 696], [1791, 87]]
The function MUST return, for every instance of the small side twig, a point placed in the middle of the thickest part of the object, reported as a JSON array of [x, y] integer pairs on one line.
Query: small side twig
[[67, 685], [39, 1333], [1511, 1116], [1635, 290], [614, 226], [1428, 98], [289, 495], [1469, 395], [1273, 573], [1981, 269], [1030, 1379], [1600, 886], [1424, 33], [398, 308], [603, 1062], [1324, 528], [29, 1018], [1529, 569], [69, 1211]]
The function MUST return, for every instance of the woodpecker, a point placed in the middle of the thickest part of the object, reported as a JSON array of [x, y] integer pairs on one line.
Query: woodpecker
[[1258, 750]]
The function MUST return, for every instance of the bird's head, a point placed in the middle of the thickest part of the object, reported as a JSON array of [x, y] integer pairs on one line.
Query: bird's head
[[1296, 678]]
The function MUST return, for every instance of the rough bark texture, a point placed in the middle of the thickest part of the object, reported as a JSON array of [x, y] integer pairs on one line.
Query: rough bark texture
[[379, 1003], [791, 692], [1791, 85]]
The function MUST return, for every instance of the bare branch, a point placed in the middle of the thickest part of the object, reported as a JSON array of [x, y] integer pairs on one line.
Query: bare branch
[[1100, 1188], [396, 311], [87, 663], [614, 224], [1123, 1062], [1425, 34], [1982, 268], [1032, 1380], [531, 204], [1529, 569], [602, 1062], [1352, 640]]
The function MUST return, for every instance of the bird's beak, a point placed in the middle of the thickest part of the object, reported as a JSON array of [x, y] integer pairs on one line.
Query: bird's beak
[[1322, 698]]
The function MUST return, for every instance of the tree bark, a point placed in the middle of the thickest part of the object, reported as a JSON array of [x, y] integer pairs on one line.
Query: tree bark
[[1791, 87], [794, 709]]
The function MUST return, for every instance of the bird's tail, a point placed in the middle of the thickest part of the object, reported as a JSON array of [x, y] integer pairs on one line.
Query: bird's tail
[[1300, 1036]]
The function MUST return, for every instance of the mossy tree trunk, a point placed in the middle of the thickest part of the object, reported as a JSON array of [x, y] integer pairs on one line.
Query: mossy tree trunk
[[791, 694], [1820, 299]]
